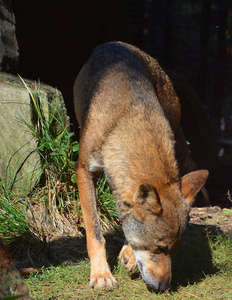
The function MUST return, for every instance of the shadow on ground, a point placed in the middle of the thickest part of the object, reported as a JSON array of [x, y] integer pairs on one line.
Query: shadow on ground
[[192, 261]]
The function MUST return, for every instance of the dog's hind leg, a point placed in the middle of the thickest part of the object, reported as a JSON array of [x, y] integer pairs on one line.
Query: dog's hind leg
[[100, 276]]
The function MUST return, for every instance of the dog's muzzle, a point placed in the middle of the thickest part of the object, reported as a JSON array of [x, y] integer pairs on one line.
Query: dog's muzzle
[[151, 280]]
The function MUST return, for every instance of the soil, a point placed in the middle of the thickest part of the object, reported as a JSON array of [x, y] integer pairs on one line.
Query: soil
[[217, 217]]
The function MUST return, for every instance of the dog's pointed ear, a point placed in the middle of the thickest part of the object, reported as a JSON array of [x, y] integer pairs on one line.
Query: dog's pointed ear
[[146, 201], [191, 184]]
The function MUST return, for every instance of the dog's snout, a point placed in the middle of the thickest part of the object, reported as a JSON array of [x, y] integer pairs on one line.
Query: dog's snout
[[163, 286], [156, 285], [156, 272], [153, 282]]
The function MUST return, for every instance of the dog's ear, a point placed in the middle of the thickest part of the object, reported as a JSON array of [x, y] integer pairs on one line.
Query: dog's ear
[[191, 184], [146, 201]]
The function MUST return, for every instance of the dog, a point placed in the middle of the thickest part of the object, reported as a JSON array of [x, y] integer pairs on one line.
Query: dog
[[129, 114]]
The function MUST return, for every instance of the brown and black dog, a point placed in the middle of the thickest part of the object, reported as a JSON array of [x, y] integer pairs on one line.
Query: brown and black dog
[[129, 113]]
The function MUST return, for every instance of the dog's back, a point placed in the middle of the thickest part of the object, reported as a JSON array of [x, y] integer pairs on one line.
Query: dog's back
[[111, 67], [116, 103]]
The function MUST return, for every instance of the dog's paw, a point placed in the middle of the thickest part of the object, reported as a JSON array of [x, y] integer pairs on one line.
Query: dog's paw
[[103, 281], [126, 256]]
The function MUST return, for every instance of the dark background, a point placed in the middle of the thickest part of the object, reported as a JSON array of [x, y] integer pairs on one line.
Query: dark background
[[192, 38]]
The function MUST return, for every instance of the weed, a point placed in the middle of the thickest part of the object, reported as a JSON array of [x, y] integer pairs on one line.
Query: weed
[[221, 252], [57, 152], [12, 214], [229, 196]]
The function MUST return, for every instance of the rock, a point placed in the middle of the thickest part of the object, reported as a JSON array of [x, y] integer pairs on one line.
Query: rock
[[9, 52], [20, 163]]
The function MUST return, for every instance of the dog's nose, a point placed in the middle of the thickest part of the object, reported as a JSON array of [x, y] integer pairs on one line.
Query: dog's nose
[[163, 286]]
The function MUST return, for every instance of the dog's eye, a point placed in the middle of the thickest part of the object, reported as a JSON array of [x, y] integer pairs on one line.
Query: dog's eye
[[139, 247], [161, 249]]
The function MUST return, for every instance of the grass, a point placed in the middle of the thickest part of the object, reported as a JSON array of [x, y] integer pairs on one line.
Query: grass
[[12, 215], [205, 273]]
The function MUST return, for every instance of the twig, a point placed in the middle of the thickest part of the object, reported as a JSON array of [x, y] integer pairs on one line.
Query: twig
[[190, 294]]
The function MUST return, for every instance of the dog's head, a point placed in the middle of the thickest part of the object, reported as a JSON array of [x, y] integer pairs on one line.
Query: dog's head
[[156, 225]]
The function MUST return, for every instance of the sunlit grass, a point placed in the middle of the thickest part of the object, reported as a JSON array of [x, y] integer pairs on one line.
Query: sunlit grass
[[71, 282]]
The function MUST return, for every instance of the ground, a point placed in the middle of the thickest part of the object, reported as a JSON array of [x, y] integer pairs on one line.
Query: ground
[[212, 216], [201, 266]]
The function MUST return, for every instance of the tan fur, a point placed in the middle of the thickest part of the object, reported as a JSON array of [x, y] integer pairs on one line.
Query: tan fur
[[129, 112]]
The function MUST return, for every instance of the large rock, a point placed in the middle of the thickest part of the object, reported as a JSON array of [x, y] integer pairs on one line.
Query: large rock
[[20, 163], [9, 52]]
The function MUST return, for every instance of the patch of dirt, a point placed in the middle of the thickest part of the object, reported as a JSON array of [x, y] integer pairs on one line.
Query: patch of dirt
[[221, 218]]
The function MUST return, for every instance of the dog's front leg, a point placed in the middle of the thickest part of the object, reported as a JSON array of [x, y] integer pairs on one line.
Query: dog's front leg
[[100, 276], [126, 256]]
